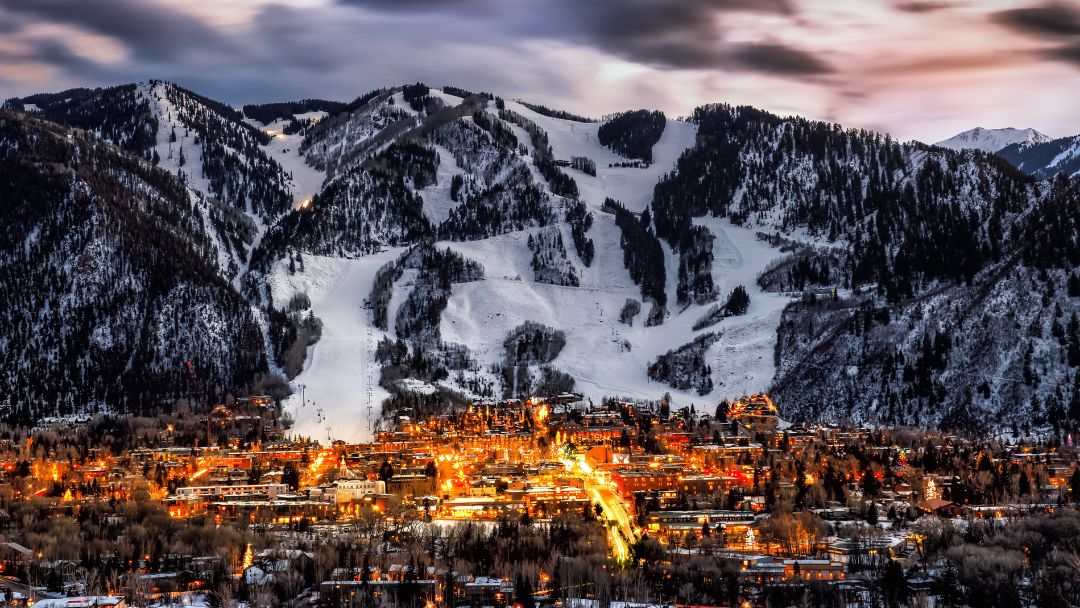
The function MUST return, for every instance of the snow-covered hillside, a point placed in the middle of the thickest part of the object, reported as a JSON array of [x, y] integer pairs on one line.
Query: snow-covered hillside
[[506, 251], [304, 180], [1046, 160], [340, 379], [630, 185], [604, 356], [992, 140], [111, 280], [347, 138]]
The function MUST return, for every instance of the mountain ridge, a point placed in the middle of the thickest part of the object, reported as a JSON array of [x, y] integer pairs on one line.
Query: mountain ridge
[[993, 140], [110, 280], [1046, 160], [553, 220]]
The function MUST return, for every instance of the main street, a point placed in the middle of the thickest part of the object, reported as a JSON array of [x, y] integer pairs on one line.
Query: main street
[[621, 531]]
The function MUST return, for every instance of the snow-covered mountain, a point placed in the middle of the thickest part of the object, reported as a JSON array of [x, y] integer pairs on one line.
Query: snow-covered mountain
[[110, 280], [418, 247], [1046, 160], [992, 140]]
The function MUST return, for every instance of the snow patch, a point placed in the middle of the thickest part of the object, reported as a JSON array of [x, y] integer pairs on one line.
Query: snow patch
[[305, 181], [630, 185], [480, 315], [340, 375], [437, 201]]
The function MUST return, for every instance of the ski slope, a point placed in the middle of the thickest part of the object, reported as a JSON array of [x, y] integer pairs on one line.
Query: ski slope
[[743, 360], [437, 201], [596, 355], [306, 181], [630, 185], [481, 314], [606, 358], [187, 147], [340, 375]]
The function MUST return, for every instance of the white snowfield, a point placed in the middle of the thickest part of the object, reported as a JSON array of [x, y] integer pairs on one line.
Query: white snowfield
[[285, 149], [992, 140], [744, 357], [480, 314], [605, 357], [437, 201], [340, 375], [632, 186]]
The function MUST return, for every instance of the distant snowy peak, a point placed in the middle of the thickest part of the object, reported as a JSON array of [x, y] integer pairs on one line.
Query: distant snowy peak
[[992, 140]]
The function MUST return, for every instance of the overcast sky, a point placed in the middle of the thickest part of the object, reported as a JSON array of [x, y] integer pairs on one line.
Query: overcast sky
[[917, 69]]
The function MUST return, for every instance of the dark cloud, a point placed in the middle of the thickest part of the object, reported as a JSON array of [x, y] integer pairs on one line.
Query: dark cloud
[[920, 7], [10, 23], [1068, 54], [1054, 19], [1054, 22], [414, 5], [301, 41], [779, 59], [57, 55], [151, 30], [662, 33], [682, 34], [669, 34], [688, 35]]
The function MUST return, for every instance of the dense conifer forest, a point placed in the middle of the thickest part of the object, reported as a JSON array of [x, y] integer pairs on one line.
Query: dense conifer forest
[[928, 283], [114, 258], [633, 134]]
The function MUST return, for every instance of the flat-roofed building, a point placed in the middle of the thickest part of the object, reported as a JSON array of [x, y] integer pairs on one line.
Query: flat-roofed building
[[630, 480], [269, 490]]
